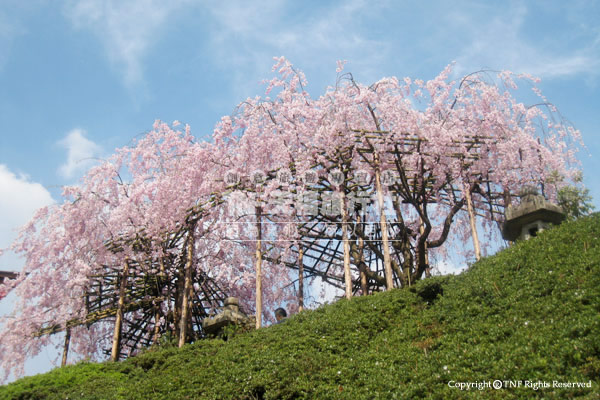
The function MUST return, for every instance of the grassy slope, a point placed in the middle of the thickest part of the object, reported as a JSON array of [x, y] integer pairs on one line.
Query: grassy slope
[[532, 312]]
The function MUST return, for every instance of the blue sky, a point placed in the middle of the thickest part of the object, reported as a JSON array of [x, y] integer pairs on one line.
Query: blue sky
[[80, 78]]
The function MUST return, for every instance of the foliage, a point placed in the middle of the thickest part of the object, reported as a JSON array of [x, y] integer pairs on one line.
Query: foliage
[[527, 313], [576, 201]]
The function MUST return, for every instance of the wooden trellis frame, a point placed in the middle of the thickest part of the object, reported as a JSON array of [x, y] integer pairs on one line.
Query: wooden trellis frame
[[150, 303], [322, 249], [145, 298]]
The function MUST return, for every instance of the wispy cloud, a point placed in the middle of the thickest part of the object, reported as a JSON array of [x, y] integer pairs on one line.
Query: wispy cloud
[[249, 34], [10, 28], [476, 35], [127, 29], [244, 36], [81, 153], [509, 41]]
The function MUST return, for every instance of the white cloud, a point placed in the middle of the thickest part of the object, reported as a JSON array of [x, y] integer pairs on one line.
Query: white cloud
[[81, 153], [127, 29], [20, 199]]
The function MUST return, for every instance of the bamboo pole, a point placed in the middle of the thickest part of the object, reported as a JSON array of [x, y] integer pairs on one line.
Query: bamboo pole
[[66, 347], [387, 260], [116, 343], [473, 224], [346, 242], [300, 277], [187, 288], [259, 267]]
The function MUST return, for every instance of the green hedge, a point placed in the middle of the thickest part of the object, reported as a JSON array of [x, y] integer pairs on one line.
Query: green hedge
[[529, 313]]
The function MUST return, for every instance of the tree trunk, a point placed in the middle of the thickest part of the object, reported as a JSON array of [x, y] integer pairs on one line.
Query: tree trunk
[[66, 347], [116, 343], [258, 268], [187, 288]]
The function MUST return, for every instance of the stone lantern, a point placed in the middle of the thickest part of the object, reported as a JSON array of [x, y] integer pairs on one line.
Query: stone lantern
[[229, 315], [532, 215]]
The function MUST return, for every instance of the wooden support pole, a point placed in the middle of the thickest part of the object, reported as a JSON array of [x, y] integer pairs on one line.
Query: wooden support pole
[[473, 223], [421, 231], [156, 336], [507, 203], [300, 277], [116, 343], [187, 287], [259, 267], [387, 259], [346, 243], [66, 347], [177, 302], [364, 282], [157, 312]]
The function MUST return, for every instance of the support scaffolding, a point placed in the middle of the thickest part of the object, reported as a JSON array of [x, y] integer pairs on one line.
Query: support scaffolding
[[145, 298], [363, 248]]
